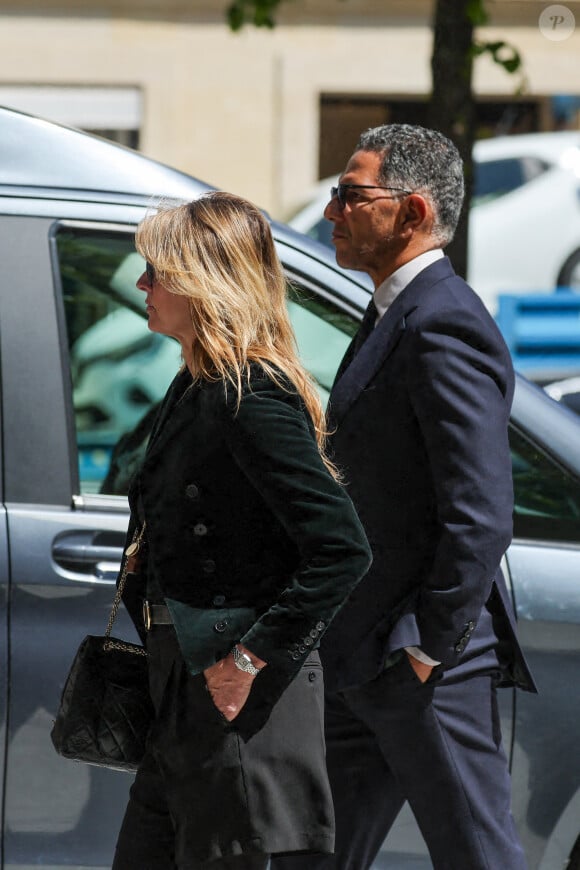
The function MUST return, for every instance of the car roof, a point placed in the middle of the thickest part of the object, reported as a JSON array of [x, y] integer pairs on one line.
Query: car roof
[[41, 154], [549, 146], [52, 161]]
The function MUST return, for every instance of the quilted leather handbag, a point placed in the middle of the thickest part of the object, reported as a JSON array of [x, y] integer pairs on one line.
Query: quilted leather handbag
[[105, 709]]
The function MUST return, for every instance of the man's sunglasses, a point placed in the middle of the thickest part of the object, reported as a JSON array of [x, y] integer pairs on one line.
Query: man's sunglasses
[[150, 272], [341, 191]]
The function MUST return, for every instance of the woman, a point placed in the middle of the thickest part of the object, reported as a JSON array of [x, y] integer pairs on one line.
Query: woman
[[249, 547]]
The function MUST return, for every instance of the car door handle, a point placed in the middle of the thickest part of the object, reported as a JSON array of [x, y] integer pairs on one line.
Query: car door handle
[[89, 554]]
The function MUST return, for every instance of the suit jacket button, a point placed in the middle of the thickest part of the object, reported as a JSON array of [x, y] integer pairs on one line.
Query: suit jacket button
[[208, 566], [192, 491], [221, 626], [200, 529], [219, 600], [295, 655], [320, 625], [308, 641], [314, 634], [301, 648]]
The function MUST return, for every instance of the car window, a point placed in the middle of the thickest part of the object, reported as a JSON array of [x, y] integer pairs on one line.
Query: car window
[[495, 178], [547, 498], [119, 369], [322, 232], [323, 333]]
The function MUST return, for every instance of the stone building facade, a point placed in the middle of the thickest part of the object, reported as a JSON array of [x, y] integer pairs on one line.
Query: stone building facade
[[266, 113]]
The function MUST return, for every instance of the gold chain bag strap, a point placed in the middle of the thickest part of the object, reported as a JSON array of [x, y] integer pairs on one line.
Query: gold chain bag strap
[[105, 709], [130, 566]]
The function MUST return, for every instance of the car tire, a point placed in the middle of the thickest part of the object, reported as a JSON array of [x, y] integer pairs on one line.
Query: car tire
[[570, 272]]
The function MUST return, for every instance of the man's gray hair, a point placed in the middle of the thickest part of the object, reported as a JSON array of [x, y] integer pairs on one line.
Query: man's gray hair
[[423, 161]]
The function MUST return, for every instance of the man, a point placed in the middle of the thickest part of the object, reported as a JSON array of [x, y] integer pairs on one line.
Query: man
[[420, 410]]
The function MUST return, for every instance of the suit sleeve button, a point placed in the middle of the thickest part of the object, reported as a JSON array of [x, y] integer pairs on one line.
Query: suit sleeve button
[[192, 491], [221, 626], [200, 529], [320, 625]]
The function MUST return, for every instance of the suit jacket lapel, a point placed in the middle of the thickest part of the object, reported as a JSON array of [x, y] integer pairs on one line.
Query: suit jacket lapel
[[362, 367]]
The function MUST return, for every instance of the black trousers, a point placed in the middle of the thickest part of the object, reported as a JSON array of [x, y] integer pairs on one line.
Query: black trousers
[[211, 795], [437, 745], [147, 837]]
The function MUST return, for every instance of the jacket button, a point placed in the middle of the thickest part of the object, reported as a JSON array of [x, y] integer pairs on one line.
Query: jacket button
[[311, 676], [296, 656], [221, 626], [192, 491], [208, 566], [308, 641], [314, 633], [200, 529], [320, 625], [218, 600]]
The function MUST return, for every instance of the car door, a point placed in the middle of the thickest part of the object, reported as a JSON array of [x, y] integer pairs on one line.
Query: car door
[[81, 377], [4, 658], [79, 369], [544, 566]]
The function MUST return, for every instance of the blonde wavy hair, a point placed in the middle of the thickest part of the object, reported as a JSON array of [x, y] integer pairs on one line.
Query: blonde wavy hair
[[218, 251]]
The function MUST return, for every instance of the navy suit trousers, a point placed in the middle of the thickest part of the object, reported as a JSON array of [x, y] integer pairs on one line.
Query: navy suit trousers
[[437, 745]]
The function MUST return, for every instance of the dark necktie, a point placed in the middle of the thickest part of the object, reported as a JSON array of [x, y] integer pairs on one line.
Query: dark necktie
[[366, 327]]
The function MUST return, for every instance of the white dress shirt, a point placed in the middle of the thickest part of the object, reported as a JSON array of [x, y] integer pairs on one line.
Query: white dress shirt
[[385, 295]]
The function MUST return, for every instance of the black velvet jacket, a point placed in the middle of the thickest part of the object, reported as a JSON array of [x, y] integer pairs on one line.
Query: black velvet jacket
[[248, 536]]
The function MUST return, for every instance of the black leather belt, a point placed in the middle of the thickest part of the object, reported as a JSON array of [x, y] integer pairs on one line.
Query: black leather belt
[[156, 614]]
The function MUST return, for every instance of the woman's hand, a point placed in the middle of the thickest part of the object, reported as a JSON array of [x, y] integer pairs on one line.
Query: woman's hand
[[228, 686]]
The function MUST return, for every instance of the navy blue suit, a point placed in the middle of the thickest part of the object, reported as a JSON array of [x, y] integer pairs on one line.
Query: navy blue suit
[[420, 415]]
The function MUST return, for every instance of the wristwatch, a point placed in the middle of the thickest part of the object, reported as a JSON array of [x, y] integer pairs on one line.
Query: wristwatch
[[244, 663]]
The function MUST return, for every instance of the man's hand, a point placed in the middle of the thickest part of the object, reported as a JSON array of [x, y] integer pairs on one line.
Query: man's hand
[[228, 686], [422, 670]]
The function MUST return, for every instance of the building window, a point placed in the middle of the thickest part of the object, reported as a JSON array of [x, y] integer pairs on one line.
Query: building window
[[112, 112]]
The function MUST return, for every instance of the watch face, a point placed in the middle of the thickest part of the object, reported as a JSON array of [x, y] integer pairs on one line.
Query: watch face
[[244, 662]]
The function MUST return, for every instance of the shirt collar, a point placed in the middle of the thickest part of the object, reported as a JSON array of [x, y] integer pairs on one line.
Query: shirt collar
[[387, 292]]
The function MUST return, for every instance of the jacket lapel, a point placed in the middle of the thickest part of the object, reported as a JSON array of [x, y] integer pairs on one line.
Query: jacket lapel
[[168, 421], [356, 374]]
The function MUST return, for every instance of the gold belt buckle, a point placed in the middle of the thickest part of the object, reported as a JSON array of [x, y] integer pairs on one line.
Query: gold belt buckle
[[147, 615]]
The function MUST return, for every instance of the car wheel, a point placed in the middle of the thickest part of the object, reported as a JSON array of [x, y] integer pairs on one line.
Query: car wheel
[[570, 273]]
